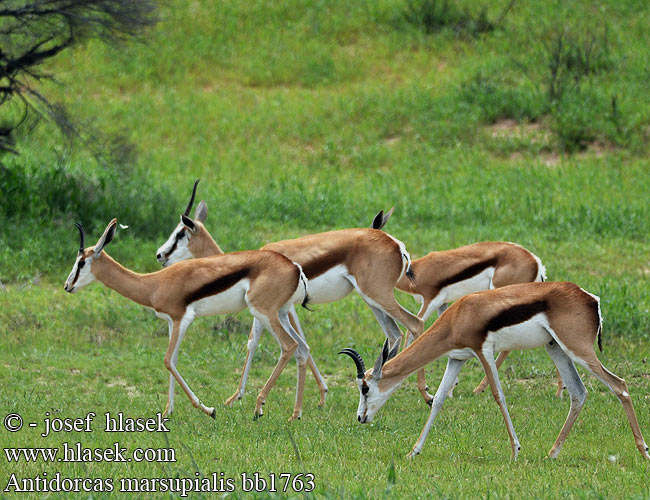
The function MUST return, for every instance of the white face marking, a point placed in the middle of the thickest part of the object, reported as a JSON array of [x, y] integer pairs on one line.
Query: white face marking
[[176, 248], [373, 399], [79, 277]]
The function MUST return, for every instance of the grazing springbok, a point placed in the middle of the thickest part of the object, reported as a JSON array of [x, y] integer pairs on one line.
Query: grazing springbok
[[266, 282], [560, 316], [367, 260], [446, 276]]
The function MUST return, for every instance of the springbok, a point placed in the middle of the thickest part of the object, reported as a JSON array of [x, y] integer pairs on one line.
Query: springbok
[[266, 282], [367, 260], [446, 276], [561, 316]]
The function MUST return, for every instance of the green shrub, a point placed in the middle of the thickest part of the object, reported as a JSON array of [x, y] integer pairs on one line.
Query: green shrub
[[60, 191], [432, 16], [40, 201]]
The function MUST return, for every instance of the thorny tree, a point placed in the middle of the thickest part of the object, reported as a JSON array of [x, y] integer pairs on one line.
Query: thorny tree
[[34, 31]]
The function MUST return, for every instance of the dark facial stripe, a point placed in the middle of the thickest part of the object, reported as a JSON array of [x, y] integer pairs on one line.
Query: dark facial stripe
[[217, 286], [468, 272], [515, 315], [322, 263], [80, 265], [179, 236]]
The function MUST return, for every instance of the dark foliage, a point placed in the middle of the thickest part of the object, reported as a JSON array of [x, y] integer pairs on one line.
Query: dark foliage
[[571, 57], [34, 31], [434, 15]]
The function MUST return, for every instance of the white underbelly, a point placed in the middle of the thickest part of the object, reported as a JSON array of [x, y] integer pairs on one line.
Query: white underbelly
[[330, 286], [231, 300], [476, 283], [526, 335], [461, 353]]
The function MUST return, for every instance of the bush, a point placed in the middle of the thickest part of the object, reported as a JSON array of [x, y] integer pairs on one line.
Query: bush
[[40, 201], [561, 82], [570, 57], [432, 16]]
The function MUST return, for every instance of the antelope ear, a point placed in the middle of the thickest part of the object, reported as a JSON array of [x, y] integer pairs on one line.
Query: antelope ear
[[106, 238], [376, 222], [393, 350], [376, 370], [380, 219], [188, 223], [201, 212]]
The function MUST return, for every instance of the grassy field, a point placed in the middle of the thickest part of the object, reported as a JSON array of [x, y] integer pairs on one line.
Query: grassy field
[[308, 116]]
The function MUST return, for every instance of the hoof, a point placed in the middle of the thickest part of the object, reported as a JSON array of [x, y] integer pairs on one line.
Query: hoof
[[229, 402], [213, 414], [430, 403]]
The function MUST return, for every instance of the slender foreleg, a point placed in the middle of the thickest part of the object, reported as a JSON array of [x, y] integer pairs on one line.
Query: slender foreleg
[[253, 341], [169, 408], [301, 355], [288, 344], [451, 373], [577, 392], [322, 385], [484, 383], [487, 360], [171, 357]]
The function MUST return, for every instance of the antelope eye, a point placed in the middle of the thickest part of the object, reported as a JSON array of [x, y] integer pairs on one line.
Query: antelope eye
[[180, 234], [364, 389], [81, 264]]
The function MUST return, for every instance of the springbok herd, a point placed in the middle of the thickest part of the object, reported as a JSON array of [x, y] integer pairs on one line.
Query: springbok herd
[[501, 302]]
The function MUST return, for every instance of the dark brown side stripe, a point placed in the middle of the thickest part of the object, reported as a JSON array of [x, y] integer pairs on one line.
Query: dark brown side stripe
[[468, 272], [319, 265], [217, 286], [515, 315]]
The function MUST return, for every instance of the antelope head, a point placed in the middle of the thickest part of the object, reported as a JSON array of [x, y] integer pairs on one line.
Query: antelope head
[[81, 274], [180, 245], [373, 394]]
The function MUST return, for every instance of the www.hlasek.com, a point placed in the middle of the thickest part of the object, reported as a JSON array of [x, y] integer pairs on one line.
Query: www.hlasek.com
[[215, 482]]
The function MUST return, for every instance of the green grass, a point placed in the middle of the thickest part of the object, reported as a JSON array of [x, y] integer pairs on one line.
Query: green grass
[[68, 355], [308, 116]]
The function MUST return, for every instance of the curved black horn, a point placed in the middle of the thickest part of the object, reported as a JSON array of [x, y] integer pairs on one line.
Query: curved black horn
[[189, 205], [81, 237], [356, 357]]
